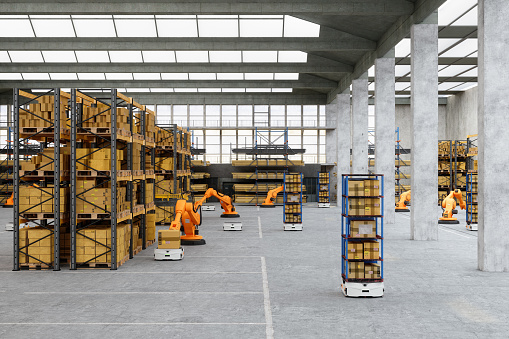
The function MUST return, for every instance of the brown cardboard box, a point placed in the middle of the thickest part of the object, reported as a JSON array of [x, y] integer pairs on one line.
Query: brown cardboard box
[[371, 271], [356, 206], [356, 188], [372, 206], [363, 228], [355, 250], [355, 270], [371, 188], [372, 250], [168, 239]]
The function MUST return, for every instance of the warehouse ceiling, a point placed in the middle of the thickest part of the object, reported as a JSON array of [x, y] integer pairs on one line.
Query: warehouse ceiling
[[159, 51]]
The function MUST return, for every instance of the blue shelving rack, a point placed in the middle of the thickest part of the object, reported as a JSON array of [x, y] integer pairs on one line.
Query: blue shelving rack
[[292, 198], [323, 191], [472, 211], [357, 284]]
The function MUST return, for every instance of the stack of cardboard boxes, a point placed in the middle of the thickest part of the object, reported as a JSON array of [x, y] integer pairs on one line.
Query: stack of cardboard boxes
[[96, 242], [44, 113], [151, 226], [40, 199], [168, 239], [369, 206], [99, 199], [95, 159]]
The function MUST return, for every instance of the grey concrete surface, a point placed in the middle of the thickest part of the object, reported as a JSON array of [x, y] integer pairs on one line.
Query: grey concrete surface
[[331, 147], [424, 177], [432, 289], [493, 125], [360, 125], [385, 113], [344, 123], [461, 118]]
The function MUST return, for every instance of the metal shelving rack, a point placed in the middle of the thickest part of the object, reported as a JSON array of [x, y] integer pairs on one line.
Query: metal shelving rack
[[472, 184], [400, 188], [323, 183], [292, 197], [45, 136], [267, 143], [361, 286], [446, 157]]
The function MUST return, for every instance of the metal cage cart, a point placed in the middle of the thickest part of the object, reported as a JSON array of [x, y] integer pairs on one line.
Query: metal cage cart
[[362, 235], [323, 189], [292, 209]]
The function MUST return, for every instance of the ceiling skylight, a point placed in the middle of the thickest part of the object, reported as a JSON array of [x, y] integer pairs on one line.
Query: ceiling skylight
[[259, 56], [452, 70], [174, 76], [91, 76], [177, 28], [59, 56], [292, 56], [261, 28], [202, 76], [225, 56], [192, 56], [230, 76], [158, 56], [259, 76], [147, 76], [10, 76], [286, 76], [63, 76], [125, 56], [26, 56], [452, 9], [16, 28], [92, 56], [4, 56], [218, 28], [119, 76], [53, 28], [36, 76], [463, 49], [94, 28], [295, 27], [127, 28]]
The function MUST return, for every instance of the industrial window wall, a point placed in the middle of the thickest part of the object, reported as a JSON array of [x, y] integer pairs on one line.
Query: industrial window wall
[[219, 128]]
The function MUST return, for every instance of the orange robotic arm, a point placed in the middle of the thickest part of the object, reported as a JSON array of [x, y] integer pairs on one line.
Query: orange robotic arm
[[187, 218], [224, 200], [449, 204], [271, 196], [403, 199]]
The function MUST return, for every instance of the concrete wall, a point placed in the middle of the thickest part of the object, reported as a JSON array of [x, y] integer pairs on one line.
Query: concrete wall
[[461, 117]]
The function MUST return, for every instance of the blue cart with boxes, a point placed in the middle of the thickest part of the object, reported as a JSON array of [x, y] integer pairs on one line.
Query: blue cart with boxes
[[362, 235], [292, 198]]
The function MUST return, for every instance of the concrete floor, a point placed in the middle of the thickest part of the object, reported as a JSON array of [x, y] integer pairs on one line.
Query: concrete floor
[[221, 290]]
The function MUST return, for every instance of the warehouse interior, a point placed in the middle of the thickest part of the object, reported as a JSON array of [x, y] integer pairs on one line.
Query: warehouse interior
[[254, 169]]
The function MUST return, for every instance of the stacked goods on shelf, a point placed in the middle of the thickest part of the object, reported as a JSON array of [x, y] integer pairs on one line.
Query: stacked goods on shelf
[[200, 163], [199, 184], [452, 167], [323, 188], [472, 202], [200, 175], [44, 161], [44, 109], [260, 175], [292, 198], [267, 162], [40, 200], [93, 245], [362, 234]]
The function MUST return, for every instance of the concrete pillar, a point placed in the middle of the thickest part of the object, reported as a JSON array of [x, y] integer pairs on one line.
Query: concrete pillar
[[343, 127], [424, 156], [493, 121], [385, 112], [360, 125], [331, 145]]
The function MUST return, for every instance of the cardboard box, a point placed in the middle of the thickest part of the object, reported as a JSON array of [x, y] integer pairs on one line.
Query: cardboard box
[[371, 271], [356, 206], [372, 206], [356, 188], [372, 250], [168, 239], [355, 250], [371, 188], [363, 228], [355, 270]]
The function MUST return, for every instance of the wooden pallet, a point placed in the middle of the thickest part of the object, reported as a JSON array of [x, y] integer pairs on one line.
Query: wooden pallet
[[149, 243], [121, 216], [43, 131], [104, 265], [169, 148], [137, 250], [121, 174], [40, 173], [41, 216], [138, 138], [34, 267]]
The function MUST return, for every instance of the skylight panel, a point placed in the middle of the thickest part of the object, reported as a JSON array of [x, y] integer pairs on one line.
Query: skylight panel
[[10, 76], [91, 76], [63, 76], [119, 76], [261, 28], [125, 56], [259, 76], [53, 28], [259, 56], [225, 56], [185, 90], [192, 56], [282, 90], [158, 56], [446, 43], [202, 76], [371, 71], [461, 50], [133, 16], [161, 90], [472, 73], [137, 90], [147, 76], [209, 90], [59, 56], [401, 86], [227, 28], [217, 16], [292, 56], [452, 9], [133, 28], [286, 76], [4, 56], [402, 70], [94, 28], [448, 85], [249, 16], [177, 28], [175, 16], [26, 56], [36, 76], [92, 56], [452, 70], [260, 90], [465, 87], [230, 76], [15, 28], [294, 27], [174, 76], [469, 19], [403, 48], [234, 90]]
